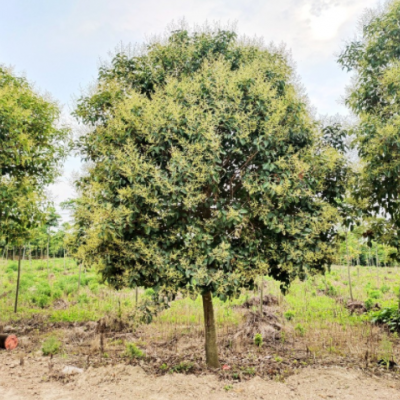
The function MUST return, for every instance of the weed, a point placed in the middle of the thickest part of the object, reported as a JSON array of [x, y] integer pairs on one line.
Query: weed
[[300, 330], [228, 388], [289, 315], [258, 340], [132, 351], [385, 288], [164, 367], [182, 367], [51, 346], [249, 371]]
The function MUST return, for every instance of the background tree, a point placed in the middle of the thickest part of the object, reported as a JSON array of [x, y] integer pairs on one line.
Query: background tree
[[206, 171], [374, 58], [32, 148]]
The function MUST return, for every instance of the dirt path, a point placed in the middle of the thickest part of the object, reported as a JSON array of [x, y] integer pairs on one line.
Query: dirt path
[[35, 380]]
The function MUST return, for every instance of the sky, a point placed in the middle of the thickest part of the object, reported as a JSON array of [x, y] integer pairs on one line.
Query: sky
[[59, 44]]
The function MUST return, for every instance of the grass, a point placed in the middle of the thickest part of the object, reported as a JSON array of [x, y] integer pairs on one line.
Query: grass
[[313, 313]]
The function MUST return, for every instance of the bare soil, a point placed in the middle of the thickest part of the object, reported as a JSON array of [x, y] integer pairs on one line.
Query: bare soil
[[41, 378]]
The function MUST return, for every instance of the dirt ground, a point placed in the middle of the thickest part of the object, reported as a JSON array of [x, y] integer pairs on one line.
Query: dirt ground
[[39, 378]]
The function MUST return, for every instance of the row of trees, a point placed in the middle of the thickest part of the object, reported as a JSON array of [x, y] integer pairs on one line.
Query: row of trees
[[206, 168]]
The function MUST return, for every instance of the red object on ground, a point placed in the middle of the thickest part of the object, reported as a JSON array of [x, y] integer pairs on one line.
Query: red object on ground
[[8, 342], [226, 367]]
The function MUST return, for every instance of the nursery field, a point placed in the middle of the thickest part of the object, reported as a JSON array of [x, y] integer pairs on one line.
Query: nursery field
[[71, 313]]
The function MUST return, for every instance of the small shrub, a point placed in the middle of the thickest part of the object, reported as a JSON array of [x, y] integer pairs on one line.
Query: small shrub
[[289, 315], [300, 330], [94, 287], [57, 294], [369, 303], [132, 351], [375, 294], [51, 346], [258, 340], [83, 299], [182, 367], [389, 317], [42, 301], [385, 288], [44, 289], [249, 371], [13, 267]]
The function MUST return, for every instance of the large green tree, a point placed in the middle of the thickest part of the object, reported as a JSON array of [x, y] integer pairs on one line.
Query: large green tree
[[374, 97], [206, 171], [32, 148]]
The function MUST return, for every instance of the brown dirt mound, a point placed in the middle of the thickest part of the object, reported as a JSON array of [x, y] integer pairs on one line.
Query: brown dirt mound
[[358, 307], [268, 300], [267, 325]]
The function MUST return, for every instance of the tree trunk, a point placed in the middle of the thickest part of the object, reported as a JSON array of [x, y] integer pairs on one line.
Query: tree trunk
[[210, 332], [18, 280], [48, 243], [348, 268], [79, 282], [261, 295]]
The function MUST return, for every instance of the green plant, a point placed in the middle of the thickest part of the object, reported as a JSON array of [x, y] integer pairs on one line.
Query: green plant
[[389, 317], [369, 303], [164, 367], [227, 388], [182, 367], [300, 330], [149, 292], [289, 315], [375, 294], [132, 351], [51, 346], [258, 340], [385, 288], [249, 371]]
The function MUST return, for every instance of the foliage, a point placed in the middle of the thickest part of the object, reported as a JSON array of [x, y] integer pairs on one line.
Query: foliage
[[388, 316], [51, 346], [289, 315], [258, 340], [374, 97], [182, 367], [32, 148], [132, 351], [207, 170]]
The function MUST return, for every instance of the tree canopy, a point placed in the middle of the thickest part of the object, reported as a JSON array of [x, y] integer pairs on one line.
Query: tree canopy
[[374, 58], [32, 148]]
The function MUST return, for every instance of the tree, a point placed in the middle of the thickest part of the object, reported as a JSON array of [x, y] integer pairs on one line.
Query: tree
[[374, 58], [206, 171], [32, 148]]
